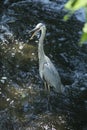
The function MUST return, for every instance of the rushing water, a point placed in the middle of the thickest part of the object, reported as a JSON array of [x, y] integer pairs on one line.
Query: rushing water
[[24, 105]]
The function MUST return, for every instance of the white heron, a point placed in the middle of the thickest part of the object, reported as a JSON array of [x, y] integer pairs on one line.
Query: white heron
[[48, 72]]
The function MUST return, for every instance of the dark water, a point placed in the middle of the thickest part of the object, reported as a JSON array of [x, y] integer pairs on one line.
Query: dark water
[[23, 103]]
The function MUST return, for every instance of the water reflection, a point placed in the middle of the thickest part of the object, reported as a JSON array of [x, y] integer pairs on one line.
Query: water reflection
[[23, 103]]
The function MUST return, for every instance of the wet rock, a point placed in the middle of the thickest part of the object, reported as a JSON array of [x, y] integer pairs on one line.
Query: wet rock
[[5, 121], [80, 15]]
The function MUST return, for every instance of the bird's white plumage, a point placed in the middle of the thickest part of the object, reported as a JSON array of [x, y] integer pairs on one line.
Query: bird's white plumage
[[39, 25]]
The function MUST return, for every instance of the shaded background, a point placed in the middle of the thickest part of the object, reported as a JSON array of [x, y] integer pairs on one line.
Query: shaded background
[[23, 103]]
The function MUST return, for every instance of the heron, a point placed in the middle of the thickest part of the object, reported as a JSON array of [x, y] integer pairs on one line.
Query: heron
[[47, 70]]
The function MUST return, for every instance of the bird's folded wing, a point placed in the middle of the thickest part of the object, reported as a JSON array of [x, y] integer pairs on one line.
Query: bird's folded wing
[[50, 73]]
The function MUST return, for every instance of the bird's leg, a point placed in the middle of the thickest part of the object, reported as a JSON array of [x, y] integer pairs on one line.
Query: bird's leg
[[47, 90], [48, 86], [45, 85]]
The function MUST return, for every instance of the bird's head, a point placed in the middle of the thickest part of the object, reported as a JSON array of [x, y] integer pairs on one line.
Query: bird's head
[[38, 27]]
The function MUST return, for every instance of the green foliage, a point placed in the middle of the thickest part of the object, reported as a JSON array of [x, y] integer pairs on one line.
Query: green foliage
[[68, 15], [84, 35], [72, 6], [75, 4]]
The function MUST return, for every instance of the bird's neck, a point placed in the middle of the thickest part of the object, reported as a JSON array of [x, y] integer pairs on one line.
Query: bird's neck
[[41, 53]]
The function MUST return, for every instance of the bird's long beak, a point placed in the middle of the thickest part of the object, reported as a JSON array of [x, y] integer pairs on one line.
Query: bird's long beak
[[34, 32]]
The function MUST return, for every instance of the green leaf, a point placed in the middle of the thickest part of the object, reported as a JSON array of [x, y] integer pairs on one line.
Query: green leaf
[[75, 4], [68, 15], [85, 28], [83, 38]]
